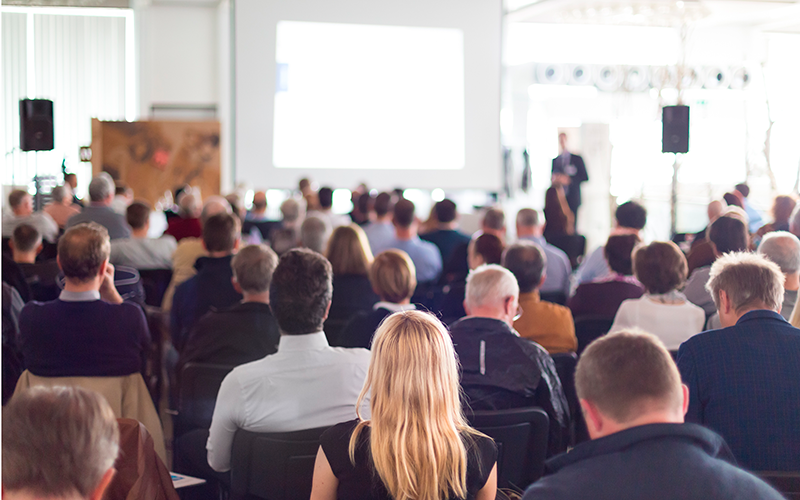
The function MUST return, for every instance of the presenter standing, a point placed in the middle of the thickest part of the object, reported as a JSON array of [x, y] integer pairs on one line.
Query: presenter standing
[[569, 171]]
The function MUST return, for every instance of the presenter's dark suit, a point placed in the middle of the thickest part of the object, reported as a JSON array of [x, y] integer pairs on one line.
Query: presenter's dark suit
[[576, 170], [743, 384]]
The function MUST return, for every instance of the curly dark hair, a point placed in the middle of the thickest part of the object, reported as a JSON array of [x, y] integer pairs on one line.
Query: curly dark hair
[[301, 289]]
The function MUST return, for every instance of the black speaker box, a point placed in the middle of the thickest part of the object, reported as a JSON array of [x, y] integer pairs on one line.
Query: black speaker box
[[675, 132], [36, 125]]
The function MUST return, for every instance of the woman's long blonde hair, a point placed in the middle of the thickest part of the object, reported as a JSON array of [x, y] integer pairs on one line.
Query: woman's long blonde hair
[[416, 423]]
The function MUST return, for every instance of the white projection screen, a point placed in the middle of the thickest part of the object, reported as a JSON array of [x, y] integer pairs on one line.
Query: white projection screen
[[391, 93]]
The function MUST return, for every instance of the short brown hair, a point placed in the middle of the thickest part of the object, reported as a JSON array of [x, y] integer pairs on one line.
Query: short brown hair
[[15, 197], [348, 251], [728, 233], [489, 247], [446, 211], [627, 374], [220, 232], [26, 238], [527, 263], [528, 217], [619, 252], [58, 441], [253, 266], [82, 250], [660, 266], [383, 203], [300, 291], [749, 280], [393, 276], [404, 213], [137, 214], [494, 218]]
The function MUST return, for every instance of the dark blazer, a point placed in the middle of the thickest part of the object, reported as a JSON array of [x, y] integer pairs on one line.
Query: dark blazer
[[576, 170], [744, 384]]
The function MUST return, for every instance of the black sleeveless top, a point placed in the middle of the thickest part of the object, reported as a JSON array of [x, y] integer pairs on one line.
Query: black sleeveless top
[[361, 482]]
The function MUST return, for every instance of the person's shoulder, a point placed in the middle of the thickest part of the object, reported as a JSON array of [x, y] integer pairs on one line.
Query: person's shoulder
[[554, 250], [351, 355], [339, 431]]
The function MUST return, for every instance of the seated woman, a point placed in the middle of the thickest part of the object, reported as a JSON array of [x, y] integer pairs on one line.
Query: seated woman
[[393, 278], [485, 249], [417, 444], [560, 221], [350, 256], [782, 209], [602, 298], [662, 310]]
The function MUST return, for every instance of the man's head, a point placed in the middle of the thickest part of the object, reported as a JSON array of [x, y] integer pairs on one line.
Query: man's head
[[403, 213], [528, 223], [729, 233], [59, 442], [260, 202], [782, 208], [527, 263], [214, 205], [325, 196], [101, 189], [252, 267], [383, 204], [61, 195], [494, 222], [492, 292], [138, 215], [446, 211], [21, 203], [189, 205], [314, 234], [714, 210], [393, 276], [221, 234], [562, 141], [631, 215], [628, 379], [782, 248], [25, 242], [743, 189], [300, 292], [83, 252], [619, 253], [740, 282], [794, 222], [290, 210]]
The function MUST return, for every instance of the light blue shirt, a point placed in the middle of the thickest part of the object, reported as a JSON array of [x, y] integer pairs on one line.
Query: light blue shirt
[[594, 267], [558, 267], [756, 221], [425, 255], [379, 235]]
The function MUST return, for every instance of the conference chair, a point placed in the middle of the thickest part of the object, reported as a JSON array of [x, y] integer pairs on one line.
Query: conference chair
[[155, 283], [554, 297], [521, 437], [788, 483], [273, 466], [565, 367], [197, 395], [589, 328]]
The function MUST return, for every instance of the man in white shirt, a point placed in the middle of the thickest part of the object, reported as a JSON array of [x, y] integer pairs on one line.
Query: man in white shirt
[[21, 204], [306, 384], [139, 251]]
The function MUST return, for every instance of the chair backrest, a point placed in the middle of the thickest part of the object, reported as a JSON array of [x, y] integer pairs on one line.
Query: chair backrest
[[554, 297], [521, 437], [565, 366], [788, 483], [197, 394], [574, 245], [589, 328], [274, 466], [155, 283]]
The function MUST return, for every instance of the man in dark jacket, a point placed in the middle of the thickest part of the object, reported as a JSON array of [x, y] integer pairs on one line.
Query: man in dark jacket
[[499, 369], [634, 404]]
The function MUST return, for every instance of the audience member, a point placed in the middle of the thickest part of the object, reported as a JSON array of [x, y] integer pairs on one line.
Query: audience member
[[325, 211], [139, 251], [306, 384], [794, 222], [782, 209], [485, 249], [14, 277], [558, 267], [549, 325], [71, 180], [314, 234], [246, 331], [58, 443], [212, 286], [783, 248], [499, 369], [285, 236], [417, 443], [494, 222], [12, 359], [631, 218], [446, 235], [62, 207], [123, 196], [42, 277], [393, 278], [740, 377], [362, 201], [743, 191], [237, 206], [88, 331], [259, 211], [426, 256], [727, 234], [663, 310], [21, 204], [101, 194], [379, 230], [350, 257], [634, 404], [702, 252], [733, 200], [187, 225], [603, 297], [559, 219]]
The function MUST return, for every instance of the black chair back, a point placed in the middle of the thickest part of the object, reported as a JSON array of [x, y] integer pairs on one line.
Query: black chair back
[[521, 437], [274, 466], [197, 394], [574, 245], [565, 366], [589, 328], [155, 283], [554, 297], [788, 483]]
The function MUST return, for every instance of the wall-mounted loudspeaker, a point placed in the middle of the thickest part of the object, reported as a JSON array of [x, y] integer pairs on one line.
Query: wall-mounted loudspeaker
[[716, 78], [550, 73], [675, 131], [739, 78], [637, 79], [35, 125], [608, 78], [580, 74]]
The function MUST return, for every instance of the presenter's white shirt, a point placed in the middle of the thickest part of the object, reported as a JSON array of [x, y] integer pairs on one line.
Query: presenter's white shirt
[[672, 323], [305, 385]]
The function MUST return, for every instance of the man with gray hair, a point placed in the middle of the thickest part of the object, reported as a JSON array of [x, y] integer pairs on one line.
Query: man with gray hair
[[101, 194], [741, 378], [783, 248], [499, 369], [558, 268], [314, 234], [21, 204], [61, 208]]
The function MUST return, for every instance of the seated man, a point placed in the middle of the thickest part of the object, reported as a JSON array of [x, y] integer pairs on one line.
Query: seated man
[[21, 204], [212, 286], [58, 443], [88, 331], [62, 207], [633, 401], [499, 369], [307, 383], [187, 225], [741, 378], [550, 325], [246, 331], [446, 236], [783, 248], [379, 229], [26, 243], [139, 251], [101, 192], [558, 268]]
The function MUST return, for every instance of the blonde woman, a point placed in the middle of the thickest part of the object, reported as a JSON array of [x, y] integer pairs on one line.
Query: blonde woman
[[417, 444]]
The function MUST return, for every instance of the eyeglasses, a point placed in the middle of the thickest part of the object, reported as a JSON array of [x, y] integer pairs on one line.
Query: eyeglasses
[[519, 313]]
